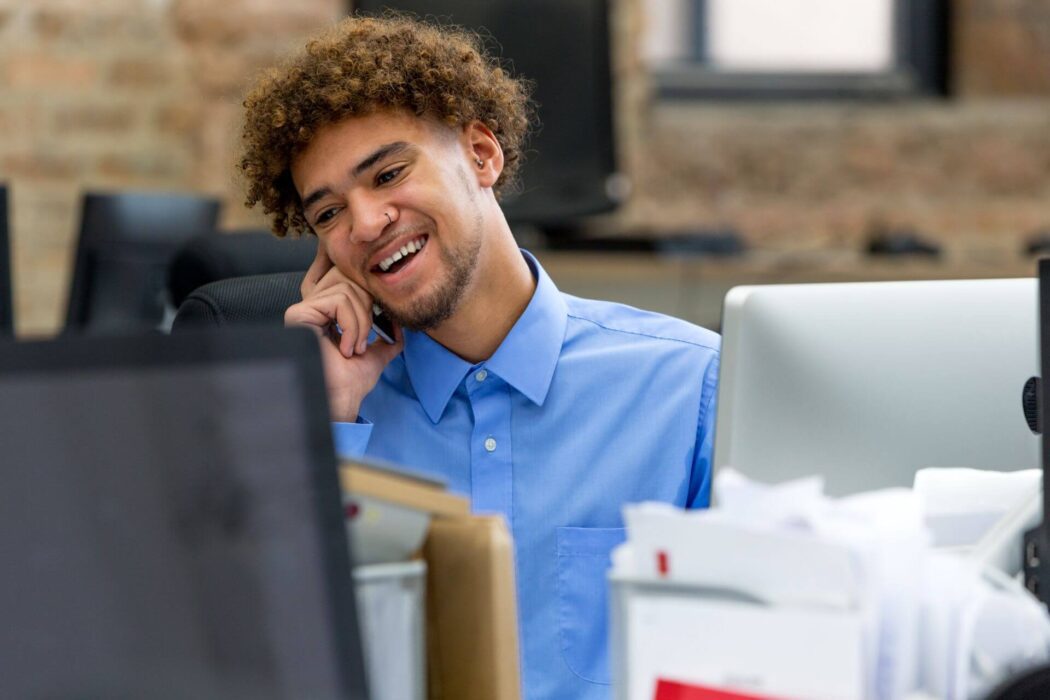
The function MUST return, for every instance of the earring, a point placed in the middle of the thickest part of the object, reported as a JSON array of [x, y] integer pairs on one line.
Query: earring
[[480, 163]]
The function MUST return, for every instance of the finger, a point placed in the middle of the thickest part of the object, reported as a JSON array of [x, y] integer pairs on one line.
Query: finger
[[346, 315], [318, 269], [307, 314], [332, 278], [359, 307], [324, 311], [363, 306]]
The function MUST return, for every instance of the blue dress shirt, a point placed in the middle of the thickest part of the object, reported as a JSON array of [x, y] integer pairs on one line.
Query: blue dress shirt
[[585, 406]]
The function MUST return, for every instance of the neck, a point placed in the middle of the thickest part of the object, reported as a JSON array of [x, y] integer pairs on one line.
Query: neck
[[497, 296]]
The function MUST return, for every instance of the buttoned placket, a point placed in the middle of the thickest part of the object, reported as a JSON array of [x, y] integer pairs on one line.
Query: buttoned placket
[[491, 467]]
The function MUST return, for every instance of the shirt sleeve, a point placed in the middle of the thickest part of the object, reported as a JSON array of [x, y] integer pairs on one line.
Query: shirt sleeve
[[351, 439], [700, 482]]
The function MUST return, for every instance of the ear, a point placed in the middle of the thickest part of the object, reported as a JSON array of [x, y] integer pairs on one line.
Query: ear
[[485, 156]]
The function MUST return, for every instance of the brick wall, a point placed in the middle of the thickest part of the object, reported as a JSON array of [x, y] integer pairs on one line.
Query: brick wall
[[145, 94], [119, 95], [969, 172]]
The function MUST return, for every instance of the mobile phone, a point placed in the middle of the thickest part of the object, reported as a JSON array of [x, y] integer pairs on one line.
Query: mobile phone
[[382, 324]]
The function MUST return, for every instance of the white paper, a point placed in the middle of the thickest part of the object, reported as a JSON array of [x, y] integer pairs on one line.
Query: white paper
[[859, 572], [776, 567], [796, 653]]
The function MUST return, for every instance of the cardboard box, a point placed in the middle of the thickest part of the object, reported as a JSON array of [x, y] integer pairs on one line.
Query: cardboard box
[[472, 619]]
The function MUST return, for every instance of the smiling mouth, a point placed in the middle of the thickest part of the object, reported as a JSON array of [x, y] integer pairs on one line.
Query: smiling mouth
[[400, 257]]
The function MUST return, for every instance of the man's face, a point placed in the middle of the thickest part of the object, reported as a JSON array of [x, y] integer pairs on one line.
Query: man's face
[[390, 185]]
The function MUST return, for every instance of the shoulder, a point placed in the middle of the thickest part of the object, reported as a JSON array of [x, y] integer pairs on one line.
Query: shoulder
[[628, 325]]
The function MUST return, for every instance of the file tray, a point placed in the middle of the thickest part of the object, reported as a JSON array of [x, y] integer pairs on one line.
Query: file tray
[[388, 511], [725, 639]]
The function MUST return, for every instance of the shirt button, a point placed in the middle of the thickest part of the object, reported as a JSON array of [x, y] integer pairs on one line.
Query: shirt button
[[490, 444], [481, 375]]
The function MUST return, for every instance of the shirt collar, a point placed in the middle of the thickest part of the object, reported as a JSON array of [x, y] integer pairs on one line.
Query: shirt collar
[[526, 358]]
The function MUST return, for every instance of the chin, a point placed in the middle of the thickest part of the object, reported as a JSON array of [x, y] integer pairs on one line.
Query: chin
[[425, 314]]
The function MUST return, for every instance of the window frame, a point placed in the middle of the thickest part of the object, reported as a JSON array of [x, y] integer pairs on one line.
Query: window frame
[[921, 46]]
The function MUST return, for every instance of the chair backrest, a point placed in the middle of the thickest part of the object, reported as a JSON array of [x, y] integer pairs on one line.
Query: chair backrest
[[207, 258], [1025, 685], [7, 318], [127, 241], [252, 300]]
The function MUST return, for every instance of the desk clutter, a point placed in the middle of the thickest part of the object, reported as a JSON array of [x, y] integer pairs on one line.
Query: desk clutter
[[783, 592]]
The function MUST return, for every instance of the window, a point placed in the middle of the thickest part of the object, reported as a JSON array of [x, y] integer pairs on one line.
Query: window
[[796, 48]]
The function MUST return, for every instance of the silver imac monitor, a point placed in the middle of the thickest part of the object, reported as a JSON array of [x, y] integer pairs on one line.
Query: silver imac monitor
[[865, 383]]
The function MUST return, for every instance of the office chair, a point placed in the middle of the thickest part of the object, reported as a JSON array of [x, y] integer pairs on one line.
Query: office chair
[[126, 243], [207, 258], [7, 318], [1033, 684], [252, 300]]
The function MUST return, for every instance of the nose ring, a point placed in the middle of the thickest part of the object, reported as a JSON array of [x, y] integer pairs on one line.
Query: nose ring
[[387, 215]]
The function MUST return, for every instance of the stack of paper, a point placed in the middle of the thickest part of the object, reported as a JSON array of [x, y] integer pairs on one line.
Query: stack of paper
[[781, 591]]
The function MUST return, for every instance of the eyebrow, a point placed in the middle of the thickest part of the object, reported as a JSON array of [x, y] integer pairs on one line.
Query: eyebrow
[[377, 155]]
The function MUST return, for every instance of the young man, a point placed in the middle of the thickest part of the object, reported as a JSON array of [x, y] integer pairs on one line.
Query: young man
[[390, 140]]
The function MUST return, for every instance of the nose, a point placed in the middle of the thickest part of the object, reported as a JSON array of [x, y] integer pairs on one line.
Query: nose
[[368, 218]]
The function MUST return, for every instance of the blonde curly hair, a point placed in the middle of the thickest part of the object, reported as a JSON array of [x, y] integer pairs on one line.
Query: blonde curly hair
[[365, 64]]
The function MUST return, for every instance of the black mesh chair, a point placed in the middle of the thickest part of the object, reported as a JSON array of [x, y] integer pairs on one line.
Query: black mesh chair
[[7, 317], [207, 258], [252, 300], [126, 243]]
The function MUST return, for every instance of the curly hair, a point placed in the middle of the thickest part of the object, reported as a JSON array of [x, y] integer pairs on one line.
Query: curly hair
[[360, 66]]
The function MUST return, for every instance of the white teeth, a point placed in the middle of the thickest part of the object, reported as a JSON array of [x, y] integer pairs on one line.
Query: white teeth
[[406, 250]]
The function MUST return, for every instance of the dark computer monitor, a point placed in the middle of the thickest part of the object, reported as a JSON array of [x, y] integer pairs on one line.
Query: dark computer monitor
[[6, 304], [171, 522], [126, 242], [563, 46], [1044, 368]]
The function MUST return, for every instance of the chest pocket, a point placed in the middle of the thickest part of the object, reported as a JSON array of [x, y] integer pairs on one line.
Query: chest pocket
[[583, 617]]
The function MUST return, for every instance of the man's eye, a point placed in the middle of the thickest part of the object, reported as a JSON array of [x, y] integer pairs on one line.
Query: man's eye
[[387, 176], [324, 216]]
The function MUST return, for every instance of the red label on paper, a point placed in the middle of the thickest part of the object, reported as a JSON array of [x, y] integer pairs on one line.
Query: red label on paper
[[673, 690]]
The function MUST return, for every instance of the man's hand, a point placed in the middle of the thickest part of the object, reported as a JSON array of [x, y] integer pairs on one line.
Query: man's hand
[[351, 366]]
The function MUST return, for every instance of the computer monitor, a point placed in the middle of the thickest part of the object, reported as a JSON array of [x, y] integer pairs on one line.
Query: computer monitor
[[1036, 553], [7, 322], [120, 268], [171, 524], [563, 47], [865, 383]]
